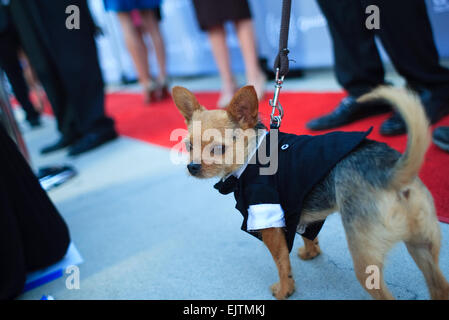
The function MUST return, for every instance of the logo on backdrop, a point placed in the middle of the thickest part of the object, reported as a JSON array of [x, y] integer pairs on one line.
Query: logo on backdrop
[[306, 23], [440, 6]]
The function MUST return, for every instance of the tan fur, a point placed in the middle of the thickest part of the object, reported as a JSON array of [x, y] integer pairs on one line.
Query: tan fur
[[408, 212], [410, 108], [311, 217], [411, 220], [241, 113], [402, 212], [310, 250], [274, 239]]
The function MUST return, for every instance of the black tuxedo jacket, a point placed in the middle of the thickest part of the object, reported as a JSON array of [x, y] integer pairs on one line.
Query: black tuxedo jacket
[[303, 161]]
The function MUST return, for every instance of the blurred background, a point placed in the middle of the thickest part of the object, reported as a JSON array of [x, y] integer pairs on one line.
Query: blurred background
[[86, 162], [189, 53]]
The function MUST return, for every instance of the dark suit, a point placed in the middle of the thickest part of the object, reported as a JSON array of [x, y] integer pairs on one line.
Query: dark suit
[[405, 33], [66, 63], [9, 62]]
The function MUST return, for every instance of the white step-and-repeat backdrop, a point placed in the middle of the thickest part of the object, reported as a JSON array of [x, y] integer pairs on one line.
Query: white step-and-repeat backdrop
[[188, 49]]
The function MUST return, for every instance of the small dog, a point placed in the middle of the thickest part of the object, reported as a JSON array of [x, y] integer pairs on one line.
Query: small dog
[[376, 189]]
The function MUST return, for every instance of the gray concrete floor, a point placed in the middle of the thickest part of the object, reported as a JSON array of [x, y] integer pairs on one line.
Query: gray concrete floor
[[146, 230]]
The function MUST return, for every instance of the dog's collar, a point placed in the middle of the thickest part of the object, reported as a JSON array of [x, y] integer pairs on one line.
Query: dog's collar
[[228, 183], [237, 173]]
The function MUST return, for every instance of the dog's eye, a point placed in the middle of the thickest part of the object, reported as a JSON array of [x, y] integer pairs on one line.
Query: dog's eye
[[218, 150]]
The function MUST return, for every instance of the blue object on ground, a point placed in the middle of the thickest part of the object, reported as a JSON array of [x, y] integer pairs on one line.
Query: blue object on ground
[[43, 276]]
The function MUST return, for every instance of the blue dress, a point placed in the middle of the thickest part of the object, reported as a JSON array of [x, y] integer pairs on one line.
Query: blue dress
[[128, 5]]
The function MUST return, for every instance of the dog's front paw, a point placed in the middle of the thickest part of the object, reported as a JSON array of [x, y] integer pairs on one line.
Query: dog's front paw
[[283, 290]]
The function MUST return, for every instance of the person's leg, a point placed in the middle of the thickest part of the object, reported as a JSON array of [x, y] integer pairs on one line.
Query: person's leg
[[406, 34], [136, 47], [75, 57], [217, 38], [254, 74], [9, 62], [358, 66], [33, 81], [151, 25], [25, 17]]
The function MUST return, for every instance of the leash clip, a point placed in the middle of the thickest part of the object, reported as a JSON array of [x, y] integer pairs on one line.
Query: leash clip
[[275, 120]]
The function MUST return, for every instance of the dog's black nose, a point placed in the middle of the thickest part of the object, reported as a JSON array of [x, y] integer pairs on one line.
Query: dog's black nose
[[194, 168]]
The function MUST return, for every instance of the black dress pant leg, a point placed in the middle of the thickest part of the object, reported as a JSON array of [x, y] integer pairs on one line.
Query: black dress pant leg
[[32, 39], [9, 62], [406, 34], [358, 65], [67, 60], [76, 57]]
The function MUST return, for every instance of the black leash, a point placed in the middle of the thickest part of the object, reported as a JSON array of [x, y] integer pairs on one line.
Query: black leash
[[281, 65], [281, 61]]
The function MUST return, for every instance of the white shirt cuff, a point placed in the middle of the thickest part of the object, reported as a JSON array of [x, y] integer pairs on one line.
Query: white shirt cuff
[[263, 216]]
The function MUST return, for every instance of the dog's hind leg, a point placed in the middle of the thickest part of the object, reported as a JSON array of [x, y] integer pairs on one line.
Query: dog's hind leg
[[369, 244], [274, 239], [310, 250], [426, 257], [368, 267], [424, 244]]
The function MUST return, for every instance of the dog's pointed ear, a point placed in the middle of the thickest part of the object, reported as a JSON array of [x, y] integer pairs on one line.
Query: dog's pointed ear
[[244, 107], [186, 102]]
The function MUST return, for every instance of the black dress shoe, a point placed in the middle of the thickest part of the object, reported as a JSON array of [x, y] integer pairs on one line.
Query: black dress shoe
[[91, 141], [441, 138], [58, 145], [436, 109], [349, 110], [393, 126]]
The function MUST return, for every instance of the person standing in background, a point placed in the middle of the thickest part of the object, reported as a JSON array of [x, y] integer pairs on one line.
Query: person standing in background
[[33, 82], [66, 63], [147, 13], [211, 15], [10, 64], [406, 34]]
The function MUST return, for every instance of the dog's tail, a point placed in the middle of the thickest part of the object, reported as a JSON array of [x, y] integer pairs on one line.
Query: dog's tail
[[408, 105]]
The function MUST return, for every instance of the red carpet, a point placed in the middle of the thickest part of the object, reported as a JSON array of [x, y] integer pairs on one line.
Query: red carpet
[[154, 124]]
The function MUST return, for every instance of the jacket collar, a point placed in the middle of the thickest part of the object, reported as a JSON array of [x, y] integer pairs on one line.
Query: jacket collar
[[228, 183]]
